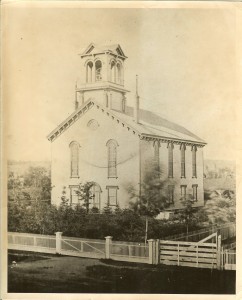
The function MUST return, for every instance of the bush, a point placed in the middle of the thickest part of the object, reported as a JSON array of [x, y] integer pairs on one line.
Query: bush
[[123, 224]]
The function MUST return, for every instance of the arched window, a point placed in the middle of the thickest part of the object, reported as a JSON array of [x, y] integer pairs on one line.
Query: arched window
[[157, 157], [119, 73], [170, 160], [74, 149], [183, 163], [194, 161], [194, 191], [113, 71], [112, 158], [89, 72], [98, 70], [96, 196]]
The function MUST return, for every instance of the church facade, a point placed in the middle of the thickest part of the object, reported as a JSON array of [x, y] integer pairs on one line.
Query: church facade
[[106, 142]]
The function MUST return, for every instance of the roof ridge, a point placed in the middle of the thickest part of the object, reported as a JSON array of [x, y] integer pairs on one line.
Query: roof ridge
[[142, 130]]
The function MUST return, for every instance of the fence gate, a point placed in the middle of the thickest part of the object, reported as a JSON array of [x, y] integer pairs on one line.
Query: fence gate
[[83, 247], [189, 254]]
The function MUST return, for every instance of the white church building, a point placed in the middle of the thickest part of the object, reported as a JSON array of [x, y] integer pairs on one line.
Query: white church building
[[109, 143]]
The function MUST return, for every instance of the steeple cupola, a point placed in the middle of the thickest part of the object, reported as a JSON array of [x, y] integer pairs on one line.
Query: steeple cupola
[[102, 73]]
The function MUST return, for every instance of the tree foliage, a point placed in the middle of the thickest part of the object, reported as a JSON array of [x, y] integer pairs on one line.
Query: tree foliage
[[188, 214], [122, 224], [34, 185], [221, 207], [152, 197], [85, 194]]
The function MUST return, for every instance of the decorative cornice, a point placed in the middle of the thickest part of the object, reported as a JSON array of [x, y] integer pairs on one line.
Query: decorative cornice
[[70, 120], [109, 113], [105, 85], [149, 137], [104, 52], [117, 119]]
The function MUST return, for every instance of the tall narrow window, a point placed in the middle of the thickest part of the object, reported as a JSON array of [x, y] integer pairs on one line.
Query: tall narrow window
[[89, 72], [96, 196], [170, 160], [194, 189], [98, 70], [183, 192], [119, 73], [171, 189], [112, 195], [183, 164], [194, 161], [157, 157], [112, 158], [74, 199], [74, 148], [113, 71], [123, 103]]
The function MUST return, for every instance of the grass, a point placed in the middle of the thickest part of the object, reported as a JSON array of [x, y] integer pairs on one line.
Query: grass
[[35, 273]]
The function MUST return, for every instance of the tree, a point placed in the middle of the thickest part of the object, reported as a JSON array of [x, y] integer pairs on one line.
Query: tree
[[33, 176], [64, 200], [221, 208], [45, 187], [34, 186], [85, 194], [152, 197], [188, 214]]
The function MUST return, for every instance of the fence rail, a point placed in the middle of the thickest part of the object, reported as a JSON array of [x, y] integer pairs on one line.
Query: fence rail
[[228, 258], [188, 254], [83, 247], [122, 251], [181, 253], [137, 252], [32, 242], [226, 231]]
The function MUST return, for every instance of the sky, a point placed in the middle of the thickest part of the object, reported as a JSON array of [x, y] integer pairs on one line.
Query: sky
[[185, 58]]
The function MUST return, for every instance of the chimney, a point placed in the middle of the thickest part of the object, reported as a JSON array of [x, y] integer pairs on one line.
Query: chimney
[[136, 107]]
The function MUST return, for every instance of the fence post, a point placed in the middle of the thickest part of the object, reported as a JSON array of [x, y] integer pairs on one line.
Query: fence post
[[151, 251], [108, 246], [157, 252], [219, 253], [58, 242]]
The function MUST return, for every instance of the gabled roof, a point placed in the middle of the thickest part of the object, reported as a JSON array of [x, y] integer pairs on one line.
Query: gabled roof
[[150, 125], [96, 49], [157, 125]]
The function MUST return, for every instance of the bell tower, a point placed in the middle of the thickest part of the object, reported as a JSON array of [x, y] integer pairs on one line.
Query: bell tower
[[102, 71]]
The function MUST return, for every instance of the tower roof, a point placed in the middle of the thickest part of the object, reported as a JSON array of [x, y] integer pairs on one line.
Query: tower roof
[[97, 49]]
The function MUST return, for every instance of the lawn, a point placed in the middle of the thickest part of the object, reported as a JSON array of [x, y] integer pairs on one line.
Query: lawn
[[35, 273]]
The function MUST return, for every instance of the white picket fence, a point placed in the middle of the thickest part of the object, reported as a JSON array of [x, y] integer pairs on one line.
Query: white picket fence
[[122, 251], [228, 259], [32, 242], [127, 251], [191, 254]]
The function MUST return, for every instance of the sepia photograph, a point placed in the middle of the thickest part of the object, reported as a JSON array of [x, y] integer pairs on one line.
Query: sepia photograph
[[119, 147]]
